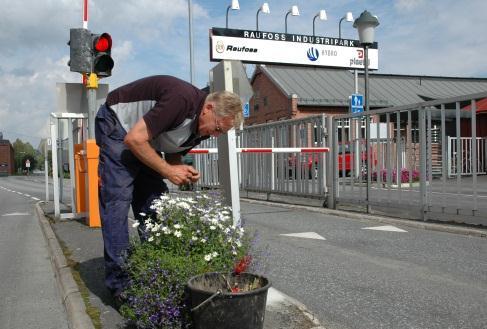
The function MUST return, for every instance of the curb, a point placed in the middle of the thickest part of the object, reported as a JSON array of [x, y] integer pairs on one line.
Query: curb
[[300, 306], [482, 233], [72, 300]]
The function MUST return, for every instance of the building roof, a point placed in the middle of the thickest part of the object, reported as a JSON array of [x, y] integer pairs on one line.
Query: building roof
[[332, 87], [481, 106]]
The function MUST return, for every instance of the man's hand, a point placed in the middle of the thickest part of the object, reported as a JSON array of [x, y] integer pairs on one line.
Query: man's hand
[[182, 174], [137, 140]]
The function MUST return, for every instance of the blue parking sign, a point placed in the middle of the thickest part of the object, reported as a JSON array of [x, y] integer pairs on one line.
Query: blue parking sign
[[246, 110], [356, 103]]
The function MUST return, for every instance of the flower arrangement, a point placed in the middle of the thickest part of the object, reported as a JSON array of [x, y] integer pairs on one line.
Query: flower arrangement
[[404, 175], [186, 236]]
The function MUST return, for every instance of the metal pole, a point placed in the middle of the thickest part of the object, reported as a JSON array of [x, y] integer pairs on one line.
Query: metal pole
[[55, 177], [422, 161], [71, 165], [85, 14], [331, 160], [191, 55], [91, 112], [285, 22], [257, 21], [46, 169], [367, 126]]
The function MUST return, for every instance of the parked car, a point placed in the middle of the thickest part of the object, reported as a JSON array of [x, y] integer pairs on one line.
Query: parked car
[[309, 162]]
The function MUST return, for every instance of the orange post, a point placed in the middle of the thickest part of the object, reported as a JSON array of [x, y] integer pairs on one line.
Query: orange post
[[92, 153], [80, 173]]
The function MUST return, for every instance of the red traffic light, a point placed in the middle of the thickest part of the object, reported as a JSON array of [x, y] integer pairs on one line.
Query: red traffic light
[[103, 42]]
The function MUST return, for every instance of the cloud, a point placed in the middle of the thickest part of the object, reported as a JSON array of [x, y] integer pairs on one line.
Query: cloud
[[408, 5], [151, 37]]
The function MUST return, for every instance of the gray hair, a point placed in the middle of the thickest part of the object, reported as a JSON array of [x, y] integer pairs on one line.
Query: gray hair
[[227, 104]]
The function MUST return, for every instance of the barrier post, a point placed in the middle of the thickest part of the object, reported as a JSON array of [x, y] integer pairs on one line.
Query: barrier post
[[80, 177], [92, 153]]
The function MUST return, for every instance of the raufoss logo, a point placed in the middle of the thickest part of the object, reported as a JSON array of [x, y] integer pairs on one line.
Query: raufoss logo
[[313, 54]]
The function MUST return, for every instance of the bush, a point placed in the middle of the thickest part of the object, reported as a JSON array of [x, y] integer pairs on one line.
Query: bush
[[187, 236]]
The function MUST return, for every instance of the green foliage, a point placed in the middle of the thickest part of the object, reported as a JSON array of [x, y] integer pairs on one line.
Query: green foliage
[[22, 152], [186, 236]]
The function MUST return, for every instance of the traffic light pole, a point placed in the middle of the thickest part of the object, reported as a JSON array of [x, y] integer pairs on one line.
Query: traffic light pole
[[92, 86]]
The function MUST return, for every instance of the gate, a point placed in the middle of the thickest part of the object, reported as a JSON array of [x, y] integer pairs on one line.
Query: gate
[[400, 163]]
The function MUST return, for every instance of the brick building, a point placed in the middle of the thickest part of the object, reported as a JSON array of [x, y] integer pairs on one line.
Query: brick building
[[289, 92], [7, 162]]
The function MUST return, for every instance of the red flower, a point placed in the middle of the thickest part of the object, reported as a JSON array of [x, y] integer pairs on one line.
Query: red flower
[[242, 265]]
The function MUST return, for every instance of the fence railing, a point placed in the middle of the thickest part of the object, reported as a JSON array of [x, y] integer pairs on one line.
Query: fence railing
[[296, 173], [405, 156], [467, 152]]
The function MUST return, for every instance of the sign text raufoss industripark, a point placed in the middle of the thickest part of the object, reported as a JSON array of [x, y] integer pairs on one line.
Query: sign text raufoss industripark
[[271, 47]]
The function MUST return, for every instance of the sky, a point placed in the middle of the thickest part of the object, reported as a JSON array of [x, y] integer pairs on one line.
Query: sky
[[415, 37]]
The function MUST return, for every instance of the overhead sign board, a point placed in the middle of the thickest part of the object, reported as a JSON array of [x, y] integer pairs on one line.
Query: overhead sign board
[[295, 49]]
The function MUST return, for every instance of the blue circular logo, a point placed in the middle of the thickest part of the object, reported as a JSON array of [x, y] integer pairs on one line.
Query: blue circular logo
[[313, 54]]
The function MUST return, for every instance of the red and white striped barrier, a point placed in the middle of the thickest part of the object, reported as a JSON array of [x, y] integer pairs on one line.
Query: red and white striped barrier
[[267, 150]]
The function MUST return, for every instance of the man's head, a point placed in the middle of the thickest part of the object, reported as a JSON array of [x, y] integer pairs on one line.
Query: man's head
[[221, 112]]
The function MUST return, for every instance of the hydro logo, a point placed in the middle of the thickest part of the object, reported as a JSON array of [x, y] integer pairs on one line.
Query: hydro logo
[[313, 54]]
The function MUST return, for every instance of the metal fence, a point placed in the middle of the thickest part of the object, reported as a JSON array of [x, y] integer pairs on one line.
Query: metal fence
[[401, 160], [298, 174]]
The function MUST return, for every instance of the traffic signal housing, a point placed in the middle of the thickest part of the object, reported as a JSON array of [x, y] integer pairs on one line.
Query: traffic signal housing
[[80, 53], [102, 59], [90, 53]]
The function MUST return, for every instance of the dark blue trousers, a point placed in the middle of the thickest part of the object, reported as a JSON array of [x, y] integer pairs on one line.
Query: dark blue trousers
[[125, 182]]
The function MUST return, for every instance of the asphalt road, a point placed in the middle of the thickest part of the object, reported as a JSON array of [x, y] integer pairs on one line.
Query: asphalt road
[[352, 278], [29, 295], [361, 278]]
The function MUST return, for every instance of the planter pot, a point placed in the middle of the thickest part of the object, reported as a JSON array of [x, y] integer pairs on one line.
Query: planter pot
[[214, 307]]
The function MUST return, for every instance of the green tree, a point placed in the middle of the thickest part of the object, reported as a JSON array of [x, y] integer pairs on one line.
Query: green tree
[[22, 152]]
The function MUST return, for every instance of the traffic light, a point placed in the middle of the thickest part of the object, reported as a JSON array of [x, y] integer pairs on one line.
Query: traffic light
[[80, 54], [102, 59]]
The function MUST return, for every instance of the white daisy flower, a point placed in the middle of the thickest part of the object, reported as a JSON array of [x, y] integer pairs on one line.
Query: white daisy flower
[[136, 224]]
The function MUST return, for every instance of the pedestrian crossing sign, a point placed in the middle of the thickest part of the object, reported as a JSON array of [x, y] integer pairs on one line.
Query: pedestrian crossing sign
[[356, 103]]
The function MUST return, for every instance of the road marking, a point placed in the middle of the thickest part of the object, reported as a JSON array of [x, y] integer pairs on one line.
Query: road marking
[[17, 214], [388, 228], [20, 193], [27, 194], [306, 235], [35, 198]]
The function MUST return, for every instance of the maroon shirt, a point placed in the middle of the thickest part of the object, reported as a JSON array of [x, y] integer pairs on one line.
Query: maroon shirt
[[169, 102]]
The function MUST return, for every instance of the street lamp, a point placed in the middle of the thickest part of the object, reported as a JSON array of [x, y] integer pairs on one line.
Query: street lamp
[[348, 17], [322, 15], [293, 11], [233, 6], [265, 9], [366, 25]]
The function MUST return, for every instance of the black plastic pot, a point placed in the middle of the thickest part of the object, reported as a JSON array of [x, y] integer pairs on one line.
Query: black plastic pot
[[213, 307]]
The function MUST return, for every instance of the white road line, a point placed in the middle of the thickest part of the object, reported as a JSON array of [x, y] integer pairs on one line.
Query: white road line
[[16, 214], [28, 195], [305, 235], [20, 193], [35, 198], [388, 228]]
